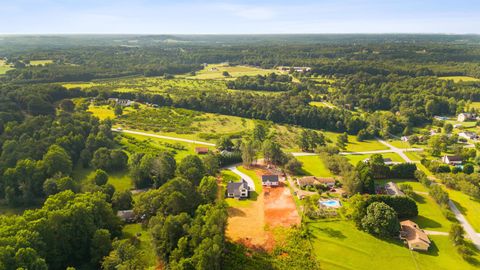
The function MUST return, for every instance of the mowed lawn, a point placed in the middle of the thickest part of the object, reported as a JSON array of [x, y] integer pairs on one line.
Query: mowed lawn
[[313, 165], [430, 216], [121, 180], [355, 146], [354, 159], [470, 208], [460, 78], [339, 246], [146, 246]]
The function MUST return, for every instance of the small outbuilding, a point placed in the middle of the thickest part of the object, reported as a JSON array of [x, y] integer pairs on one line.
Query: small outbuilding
[[126, 216]]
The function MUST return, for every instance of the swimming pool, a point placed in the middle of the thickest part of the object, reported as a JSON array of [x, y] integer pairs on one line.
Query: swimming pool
[[331, 203]]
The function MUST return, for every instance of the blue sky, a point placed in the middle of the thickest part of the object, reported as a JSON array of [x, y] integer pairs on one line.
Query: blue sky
[[238, 17]]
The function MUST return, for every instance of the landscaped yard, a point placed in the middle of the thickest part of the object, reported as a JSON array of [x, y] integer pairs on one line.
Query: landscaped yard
[[313, 165], [339, 246]]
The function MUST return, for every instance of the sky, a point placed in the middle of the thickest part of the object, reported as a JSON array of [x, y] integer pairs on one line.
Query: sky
[[238, 16]]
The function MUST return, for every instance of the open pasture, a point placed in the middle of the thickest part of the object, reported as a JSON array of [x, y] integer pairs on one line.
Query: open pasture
[[4, 67], [40, 62], [215, 72]]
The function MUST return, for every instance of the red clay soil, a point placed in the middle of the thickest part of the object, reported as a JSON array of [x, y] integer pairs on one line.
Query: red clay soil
[[280, 208]]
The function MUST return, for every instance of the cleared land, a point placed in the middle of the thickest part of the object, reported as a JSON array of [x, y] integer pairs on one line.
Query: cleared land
[[339, 245]]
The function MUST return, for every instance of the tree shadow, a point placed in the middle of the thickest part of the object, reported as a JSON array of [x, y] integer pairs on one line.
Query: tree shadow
[[423, 222], [432, 250], [235, 212], [462, 209], [332, 233], [418, 198]]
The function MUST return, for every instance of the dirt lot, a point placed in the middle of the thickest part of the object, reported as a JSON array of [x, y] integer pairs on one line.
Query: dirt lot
[[252, 225], [279, 207]]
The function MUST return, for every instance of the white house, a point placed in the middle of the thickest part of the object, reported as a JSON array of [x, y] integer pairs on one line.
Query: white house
[[465, 117], [452, 160]]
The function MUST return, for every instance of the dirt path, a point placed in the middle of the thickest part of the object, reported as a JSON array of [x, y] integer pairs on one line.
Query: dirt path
[[161, 136]]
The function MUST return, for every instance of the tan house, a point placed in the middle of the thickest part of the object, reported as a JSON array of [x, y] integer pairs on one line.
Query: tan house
[[314, 180], [415, 237]]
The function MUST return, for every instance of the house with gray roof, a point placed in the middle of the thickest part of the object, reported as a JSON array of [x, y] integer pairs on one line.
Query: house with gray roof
[[270, 180], [238, 190]]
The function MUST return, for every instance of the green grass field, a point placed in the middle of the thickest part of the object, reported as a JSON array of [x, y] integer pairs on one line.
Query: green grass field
[[354, 146], [430, 214], [214, 72], [354, 159], [119, 179], [470, 208], [313, 165], [146, 247], [4, 67], [321, 104], [340, 246], [40, 62], [460, 78], [475, 105]]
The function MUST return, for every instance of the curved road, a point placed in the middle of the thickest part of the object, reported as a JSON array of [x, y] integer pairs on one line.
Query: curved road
[[160, 136], [245, 177]]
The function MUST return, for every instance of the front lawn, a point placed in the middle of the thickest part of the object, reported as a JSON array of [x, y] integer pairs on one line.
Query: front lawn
[[470, 208], [339, 245]]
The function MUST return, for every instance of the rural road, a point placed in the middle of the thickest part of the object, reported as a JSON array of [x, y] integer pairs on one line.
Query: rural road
[[245, 177], [472, 234], [398, 151], [161, 136], [435, 233]]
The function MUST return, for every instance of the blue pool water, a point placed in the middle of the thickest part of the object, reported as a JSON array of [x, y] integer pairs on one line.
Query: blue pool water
[[331, 203]]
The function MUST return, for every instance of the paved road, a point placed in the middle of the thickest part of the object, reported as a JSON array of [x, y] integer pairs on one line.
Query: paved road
[[400, 152], [472, 234], [435, 232], [245, 177], [161, 136], [303, 154]]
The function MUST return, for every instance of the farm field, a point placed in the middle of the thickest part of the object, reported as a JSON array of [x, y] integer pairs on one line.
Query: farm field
[[460, 78], [313, 165], [214, 72], [339, 245], [354, 159]]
